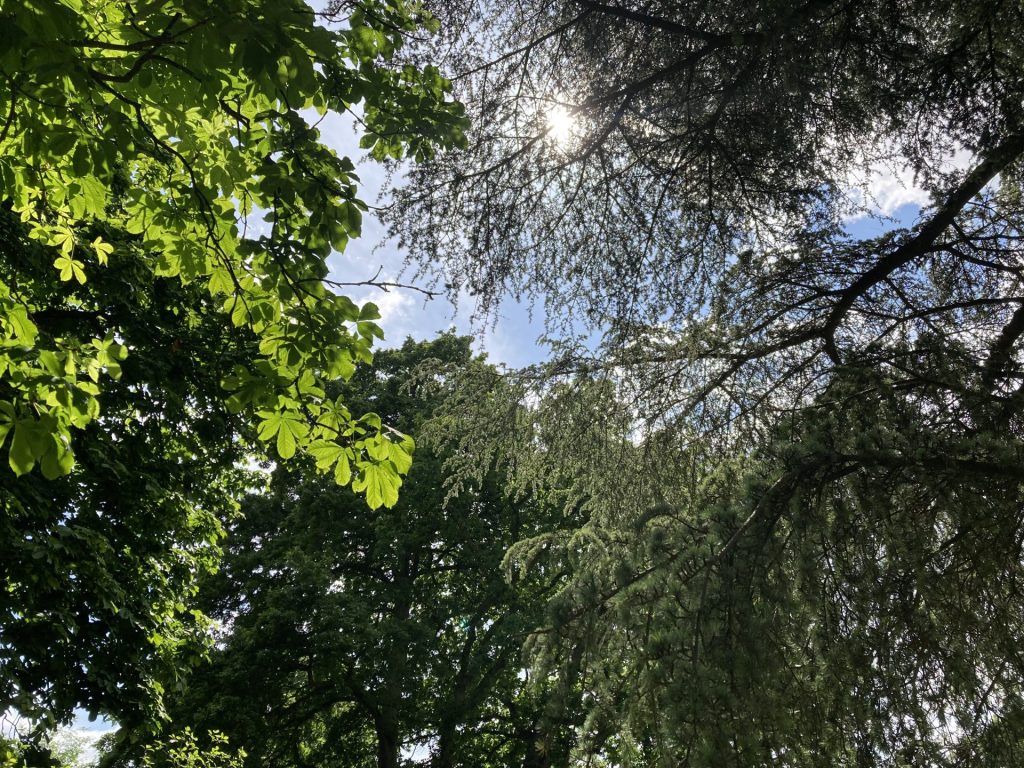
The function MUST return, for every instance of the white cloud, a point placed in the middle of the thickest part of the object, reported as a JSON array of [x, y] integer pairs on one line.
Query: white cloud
[[886, 183], [394, 305], [406, 312], [889, 190]]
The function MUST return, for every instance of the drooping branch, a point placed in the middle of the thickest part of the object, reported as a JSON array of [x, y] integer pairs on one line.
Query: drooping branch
[[998, 159], [658, 22]]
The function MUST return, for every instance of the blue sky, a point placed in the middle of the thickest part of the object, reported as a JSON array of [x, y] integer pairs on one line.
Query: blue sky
[[511, 340], [512, 337]]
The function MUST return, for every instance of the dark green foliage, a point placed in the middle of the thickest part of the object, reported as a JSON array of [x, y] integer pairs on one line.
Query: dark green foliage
[[774, 518], [357, 637], [847, 592], [801, 459], [98, 565]]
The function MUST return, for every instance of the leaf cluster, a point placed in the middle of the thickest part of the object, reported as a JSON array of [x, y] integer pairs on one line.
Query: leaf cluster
[[186, 126]]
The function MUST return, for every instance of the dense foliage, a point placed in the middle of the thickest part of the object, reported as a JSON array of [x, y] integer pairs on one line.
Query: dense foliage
[[166, 213], [98, 564], [367, 639], [762, 507], [799, 448], [185, 125]]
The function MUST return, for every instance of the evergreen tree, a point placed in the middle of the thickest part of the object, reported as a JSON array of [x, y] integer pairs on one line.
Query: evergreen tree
[[679, 178], [797, 448], [844, 592]]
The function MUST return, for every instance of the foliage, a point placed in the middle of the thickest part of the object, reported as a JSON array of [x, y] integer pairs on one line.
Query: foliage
[[63, 748], [696, 215], [846, 592], [183, 750], [166, 213], [70, 749], [10, 752], [353, 637], [182, 124], [798, 446], [99, 564]]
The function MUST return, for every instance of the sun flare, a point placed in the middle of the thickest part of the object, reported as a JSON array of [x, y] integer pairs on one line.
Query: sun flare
[[561, 124]]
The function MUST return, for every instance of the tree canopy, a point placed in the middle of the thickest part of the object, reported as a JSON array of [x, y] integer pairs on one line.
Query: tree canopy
[[798, 447], [167, 209], [99, 564], [693, 204], [370, 638], [188, 126], [761, 507]]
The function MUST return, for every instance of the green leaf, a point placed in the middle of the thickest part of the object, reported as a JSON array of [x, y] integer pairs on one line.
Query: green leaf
[[51, 362], [58, 460], [70, 268], [343, 470], [220, 282], [288, 426], [285, 442], [22, 456], [7, 416], [380, 483], [102, 249], [399, 457], [24, 329], [61, 142], [325, 453], [64, 239]]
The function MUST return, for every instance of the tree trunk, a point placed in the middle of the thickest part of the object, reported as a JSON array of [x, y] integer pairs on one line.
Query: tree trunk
[[444, 757], [536, 755], [388, 744]]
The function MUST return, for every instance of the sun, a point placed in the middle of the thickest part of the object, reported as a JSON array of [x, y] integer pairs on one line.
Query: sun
[[561, 124]]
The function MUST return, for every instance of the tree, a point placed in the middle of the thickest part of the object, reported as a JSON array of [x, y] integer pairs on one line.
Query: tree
[[180, 124], [100, 564], [183, 750], [799, 449], [827, 595], [63, 748], [361, 638], [166, 214], [695, 212]]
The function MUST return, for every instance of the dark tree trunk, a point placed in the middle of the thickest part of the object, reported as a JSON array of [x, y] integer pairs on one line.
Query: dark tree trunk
[[445, 755], [536, 756], [388, 744]]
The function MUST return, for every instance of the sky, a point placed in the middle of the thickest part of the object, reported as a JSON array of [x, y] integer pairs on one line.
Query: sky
[[512, 337]]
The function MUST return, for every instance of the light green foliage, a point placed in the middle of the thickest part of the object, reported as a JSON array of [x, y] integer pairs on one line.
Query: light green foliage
[[183, 750], [70, 749], [63, 748], [166, 212], [184, 124], [10, 753]]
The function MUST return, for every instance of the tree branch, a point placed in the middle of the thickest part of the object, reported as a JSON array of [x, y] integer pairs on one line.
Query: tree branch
[[1004, 154]]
